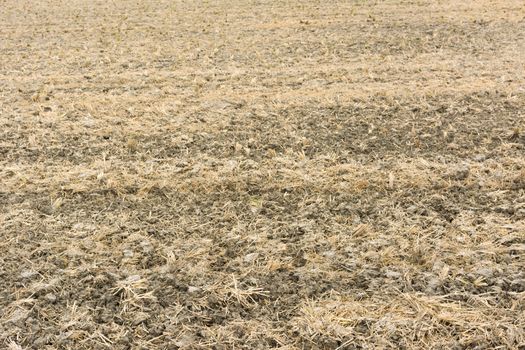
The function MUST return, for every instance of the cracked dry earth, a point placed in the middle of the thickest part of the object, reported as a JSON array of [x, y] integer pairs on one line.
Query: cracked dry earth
[[262, 174]]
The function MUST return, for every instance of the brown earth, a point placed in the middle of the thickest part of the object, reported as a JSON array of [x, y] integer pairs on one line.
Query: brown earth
[[262, 174]]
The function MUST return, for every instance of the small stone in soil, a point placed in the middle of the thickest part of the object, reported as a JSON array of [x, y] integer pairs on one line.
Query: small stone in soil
[[192, 289], [139, 318], [51, 297]]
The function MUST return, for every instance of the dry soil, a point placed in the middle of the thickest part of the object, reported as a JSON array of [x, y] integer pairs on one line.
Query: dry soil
[[262, 174]]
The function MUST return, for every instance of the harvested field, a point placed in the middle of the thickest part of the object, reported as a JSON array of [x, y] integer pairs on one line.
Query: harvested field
[[262, 174]]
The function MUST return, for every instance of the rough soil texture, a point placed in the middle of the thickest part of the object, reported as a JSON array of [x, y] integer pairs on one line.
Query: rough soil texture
[[262, 174]]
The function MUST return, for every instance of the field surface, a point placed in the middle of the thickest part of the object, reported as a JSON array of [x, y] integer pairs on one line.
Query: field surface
[[262, 174]]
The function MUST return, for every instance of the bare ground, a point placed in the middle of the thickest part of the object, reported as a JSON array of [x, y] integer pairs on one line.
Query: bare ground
[[262, 174]]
